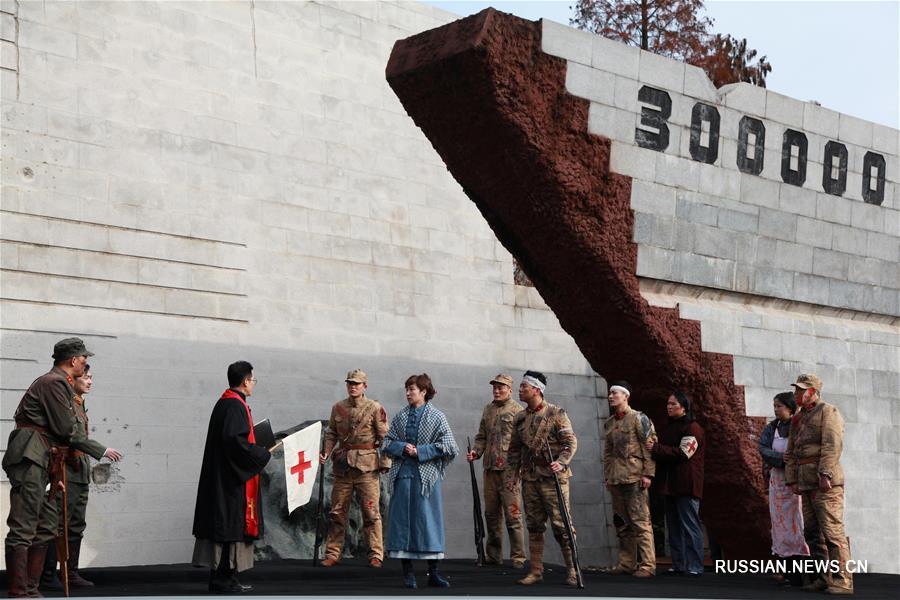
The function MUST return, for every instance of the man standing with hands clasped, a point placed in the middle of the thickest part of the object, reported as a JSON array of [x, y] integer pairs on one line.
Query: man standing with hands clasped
[[813, 471], [629, 468], [492, 444]]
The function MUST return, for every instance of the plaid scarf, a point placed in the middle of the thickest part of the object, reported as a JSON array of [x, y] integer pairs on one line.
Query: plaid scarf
[[433, 429]]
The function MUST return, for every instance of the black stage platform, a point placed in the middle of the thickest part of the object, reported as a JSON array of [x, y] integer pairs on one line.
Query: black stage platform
[[353, 578]]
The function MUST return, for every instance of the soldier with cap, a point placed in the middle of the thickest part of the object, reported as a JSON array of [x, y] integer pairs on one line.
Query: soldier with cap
[[78, 479], [629, 469], [813, 471], [492, 445], [539, 424], [355, 433], [46, 431]]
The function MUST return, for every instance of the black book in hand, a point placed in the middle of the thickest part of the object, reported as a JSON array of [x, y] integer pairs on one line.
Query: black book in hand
[[263, 433]]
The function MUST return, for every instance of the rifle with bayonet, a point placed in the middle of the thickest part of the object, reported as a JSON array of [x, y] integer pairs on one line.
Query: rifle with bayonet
[[476, 510], [564, 512]]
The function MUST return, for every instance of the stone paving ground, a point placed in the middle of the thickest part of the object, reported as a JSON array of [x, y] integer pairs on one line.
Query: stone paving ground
[[352, 578]]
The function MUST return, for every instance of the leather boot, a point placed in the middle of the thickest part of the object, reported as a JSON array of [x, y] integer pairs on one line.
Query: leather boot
[[35, 566], [536, 559], [49, 579], [75, 578], [17, 571]]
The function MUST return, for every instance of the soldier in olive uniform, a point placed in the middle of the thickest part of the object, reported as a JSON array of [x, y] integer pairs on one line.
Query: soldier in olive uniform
[[78, 478], [539, 423], [629, 469], [492, 444], [45, 422], [355, 432], [813, 471]]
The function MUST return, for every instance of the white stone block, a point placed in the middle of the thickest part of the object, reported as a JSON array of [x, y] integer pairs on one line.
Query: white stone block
[[886, 139], [45, 39], [653, 198], [818, 119], [847, 239], [784, 110], [697, 85], [797, 200], [744, 97], [626, 94], [835, 209], [882, 246], [720, 337], [678, 172], [814, 232], [566, 42], [661, 72], [717, 181], [9, 56], [612, 123], [615, 57], [759, 191], [632, 161], [7, 27], [855, 131], [760, 343], [655, 263], [592, 84]]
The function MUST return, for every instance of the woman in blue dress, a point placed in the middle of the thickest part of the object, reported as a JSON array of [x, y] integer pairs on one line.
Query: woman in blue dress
[[422, 445]]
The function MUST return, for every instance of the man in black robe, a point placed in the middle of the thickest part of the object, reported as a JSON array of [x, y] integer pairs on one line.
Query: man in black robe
[[228, 516]]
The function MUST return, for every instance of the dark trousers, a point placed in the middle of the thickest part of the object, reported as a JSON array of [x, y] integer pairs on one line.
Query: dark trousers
[[685, 533]]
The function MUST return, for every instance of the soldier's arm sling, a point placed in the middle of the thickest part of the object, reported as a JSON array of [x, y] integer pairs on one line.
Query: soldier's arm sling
[[476, 511], [567, 522]]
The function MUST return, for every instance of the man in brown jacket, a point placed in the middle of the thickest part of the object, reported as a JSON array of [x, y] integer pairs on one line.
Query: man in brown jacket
[[629, 470], [813, 471], [46, 430], [355, 432], [492, 444]]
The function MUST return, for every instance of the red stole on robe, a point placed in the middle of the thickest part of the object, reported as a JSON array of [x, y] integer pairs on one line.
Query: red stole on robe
[[251, 487]]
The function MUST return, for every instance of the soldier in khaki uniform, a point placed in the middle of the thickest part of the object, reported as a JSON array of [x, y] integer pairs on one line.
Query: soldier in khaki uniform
[[813, 471], [355, 432], [492, 444], [45, 423], [629, 469], [539, 423]]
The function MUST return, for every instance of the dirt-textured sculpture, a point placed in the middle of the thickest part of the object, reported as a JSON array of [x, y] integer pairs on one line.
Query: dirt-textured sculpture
[[496, 109]]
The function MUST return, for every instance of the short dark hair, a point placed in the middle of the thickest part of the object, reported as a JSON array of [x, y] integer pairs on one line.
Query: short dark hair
[[423, 382], [787, 398], [537, 375], [237, 372], [87, 369], [685, 401]]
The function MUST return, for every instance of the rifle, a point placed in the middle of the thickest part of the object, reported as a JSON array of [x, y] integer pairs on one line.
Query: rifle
[[320, 515], [57, 476], [564, 511], [476, 510]]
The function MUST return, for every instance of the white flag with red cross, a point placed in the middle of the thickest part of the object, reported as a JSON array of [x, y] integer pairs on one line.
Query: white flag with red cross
[[301, 463]]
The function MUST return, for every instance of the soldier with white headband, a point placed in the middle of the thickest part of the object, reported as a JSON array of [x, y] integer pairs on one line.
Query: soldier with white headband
[[536, 426], [629, 469]]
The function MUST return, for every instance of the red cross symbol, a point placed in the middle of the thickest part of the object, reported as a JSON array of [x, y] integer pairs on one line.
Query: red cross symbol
[[300, 467], [692, 445]]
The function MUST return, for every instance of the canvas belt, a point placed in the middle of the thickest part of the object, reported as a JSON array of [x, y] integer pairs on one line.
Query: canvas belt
[[808, 461]]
